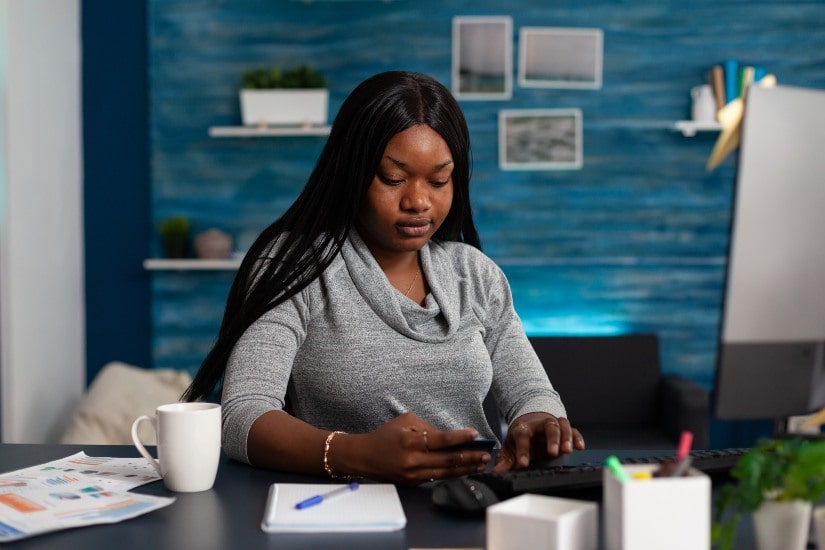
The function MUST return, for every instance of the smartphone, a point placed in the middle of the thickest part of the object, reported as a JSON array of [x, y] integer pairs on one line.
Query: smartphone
[[478, 444]]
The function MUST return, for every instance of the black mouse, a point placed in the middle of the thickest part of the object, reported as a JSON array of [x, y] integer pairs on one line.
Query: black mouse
[[463, 496], [548, 462]]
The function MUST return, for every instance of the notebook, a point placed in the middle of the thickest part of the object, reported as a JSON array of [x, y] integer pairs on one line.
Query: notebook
[[372, 507]]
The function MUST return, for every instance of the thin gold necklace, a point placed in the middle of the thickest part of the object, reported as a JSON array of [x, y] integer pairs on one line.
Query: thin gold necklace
[[417, 273]]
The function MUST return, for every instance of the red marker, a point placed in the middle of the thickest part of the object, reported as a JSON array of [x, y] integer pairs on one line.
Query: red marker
[[684, 445]]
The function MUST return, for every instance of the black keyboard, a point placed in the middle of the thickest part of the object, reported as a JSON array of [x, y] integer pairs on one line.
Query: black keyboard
[[564, 479]]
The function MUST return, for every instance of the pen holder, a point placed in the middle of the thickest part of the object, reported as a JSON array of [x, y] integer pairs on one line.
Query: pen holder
[[658, 512], [539, 522]]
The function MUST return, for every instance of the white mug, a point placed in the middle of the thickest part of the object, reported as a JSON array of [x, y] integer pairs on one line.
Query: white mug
[[189, 444]]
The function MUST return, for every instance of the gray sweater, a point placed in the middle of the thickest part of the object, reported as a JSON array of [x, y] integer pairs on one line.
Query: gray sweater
[[352, 352]]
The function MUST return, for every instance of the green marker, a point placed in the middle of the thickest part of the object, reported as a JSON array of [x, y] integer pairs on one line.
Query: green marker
[[615, 466]]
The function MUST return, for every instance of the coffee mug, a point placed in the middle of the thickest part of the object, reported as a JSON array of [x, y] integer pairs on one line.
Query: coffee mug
[[189, 444]]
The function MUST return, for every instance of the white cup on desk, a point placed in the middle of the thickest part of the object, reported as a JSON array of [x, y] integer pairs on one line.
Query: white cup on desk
[[189, 444]]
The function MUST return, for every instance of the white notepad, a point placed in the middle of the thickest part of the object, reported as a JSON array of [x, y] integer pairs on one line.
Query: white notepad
[[372, 507]]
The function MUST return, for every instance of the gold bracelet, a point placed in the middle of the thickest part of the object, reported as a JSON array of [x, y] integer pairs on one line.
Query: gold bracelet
[[327, 469]]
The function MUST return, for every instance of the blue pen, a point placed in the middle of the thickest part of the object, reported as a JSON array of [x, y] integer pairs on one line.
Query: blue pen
[[318, 499]]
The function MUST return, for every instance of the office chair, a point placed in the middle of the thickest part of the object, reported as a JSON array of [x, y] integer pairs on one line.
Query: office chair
[[616, 394]]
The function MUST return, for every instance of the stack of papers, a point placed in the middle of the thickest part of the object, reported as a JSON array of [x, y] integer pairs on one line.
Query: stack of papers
[[372, 507], [74, 491]]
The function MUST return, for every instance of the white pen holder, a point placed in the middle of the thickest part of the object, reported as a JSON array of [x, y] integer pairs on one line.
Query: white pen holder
[[658, 512], [539, 522]]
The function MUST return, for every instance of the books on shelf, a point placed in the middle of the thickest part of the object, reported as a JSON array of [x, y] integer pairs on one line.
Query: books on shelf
[[717, 83], [730, 80]]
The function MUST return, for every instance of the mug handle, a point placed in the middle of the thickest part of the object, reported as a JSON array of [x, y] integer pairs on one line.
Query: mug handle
[[139, 445]]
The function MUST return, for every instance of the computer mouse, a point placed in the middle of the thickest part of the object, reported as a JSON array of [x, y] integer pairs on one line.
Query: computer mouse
[[548, 462], [463, 496]]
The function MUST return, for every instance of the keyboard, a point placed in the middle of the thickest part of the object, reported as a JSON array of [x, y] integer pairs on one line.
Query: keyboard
[[563, 479]]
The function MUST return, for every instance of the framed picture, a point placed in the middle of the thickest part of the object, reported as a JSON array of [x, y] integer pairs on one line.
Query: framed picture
[[482, 57], [540, 139], [560, 57]]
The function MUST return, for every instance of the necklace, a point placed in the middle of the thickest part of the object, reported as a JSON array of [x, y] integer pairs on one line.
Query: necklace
[[417, 272]]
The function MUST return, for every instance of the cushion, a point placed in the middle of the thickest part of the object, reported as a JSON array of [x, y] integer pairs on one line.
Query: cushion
[[117, 396]]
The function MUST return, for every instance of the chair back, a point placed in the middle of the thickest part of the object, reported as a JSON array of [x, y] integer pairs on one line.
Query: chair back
[[604, 380]]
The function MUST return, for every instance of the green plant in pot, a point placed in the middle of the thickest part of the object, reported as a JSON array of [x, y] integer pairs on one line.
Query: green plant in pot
[[294, 96], [175, 232], [298, 77], [776, 475]]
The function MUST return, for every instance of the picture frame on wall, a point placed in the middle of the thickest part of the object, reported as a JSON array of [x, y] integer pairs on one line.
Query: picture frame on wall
[[555, 57], [482, 57], [540, 139]]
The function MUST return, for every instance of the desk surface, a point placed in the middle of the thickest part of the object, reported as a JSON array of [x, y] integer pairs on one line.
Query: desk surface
[[229, 515]]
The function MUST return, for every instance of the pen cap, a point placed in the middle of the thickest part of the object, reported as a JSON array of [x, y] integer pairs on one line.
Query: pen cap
[[656, 513], [615, 467], [685, 441]]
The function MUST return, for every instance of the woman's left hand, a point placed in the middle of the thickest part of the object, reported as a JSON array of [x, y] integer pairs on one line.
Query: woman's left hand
[[537, 435]]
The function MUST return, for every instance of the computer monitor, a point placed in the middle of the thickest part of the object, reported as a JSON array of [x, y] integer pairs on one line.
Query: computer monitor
[[772, 336]]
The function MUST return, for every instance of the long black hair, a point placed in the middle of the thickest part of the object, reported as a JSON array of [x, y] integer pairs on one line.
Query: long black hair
[[293, 251]]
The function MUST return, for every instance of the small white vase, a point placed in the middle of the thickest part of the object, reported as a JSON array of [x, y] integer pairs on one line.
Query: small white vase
[[703, 105], [782, 525]]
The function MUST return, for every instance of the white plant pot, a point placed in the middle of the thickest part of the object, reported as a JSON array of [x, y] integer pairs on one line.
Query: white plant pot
[[819, 526], [782, 525], [284, 107]]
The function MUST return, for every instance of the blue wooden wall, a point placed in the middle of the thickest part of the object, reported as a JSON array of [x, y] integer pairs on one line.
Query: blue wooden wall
[[116, 199], [634, 241]]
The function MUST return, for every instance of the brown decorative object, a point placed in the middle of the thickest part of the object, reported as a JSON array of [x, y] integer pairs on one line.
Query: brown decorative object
[[213, 244]]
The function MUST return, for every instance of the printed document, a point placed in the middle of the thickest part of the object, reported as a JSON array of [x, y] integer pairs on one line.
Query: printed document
[[75, 491]]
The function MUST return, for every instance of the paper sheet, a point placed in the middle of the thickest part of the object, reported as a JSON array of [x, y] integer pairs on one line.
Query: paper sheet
[[373, 507], [74, 491]]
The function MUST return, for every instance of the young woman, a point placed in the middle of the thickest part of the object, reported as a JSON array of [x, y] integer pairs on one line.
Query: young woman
[[369, 313]]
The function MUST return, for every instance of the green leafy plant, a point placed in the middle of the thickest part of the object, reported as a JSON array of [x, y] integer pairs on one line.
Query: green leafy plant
[[175, 227], [175, 231], [774, 469], [301, 76]]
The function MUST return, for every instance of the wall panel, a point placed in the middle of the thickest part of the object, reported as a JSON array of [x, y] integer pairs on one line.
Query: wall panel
[[635, 240]]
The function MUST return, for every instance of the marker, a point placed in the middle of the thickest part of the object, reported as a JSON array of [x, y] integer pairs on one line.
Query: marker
[[685, 442], [318, 499], [681, 467], [615, 466]]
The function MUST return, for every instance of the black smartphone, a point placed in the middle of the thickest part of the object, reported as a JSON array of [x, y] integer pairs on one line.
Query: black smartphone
[[478, 444]]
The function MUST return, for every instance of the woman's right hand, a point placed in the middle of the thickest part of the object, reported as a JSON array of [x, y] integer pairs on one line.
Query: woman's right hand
[[406, 450]]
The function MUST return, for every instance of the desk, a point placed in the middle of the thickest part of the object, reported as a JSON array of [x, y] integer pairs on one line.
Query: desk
[[229, 515]]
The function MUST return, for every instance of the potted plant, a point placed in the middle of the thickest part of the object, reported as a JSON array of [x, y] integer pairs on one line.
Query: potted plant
[[296, 96], [776, 481], [174, 231]]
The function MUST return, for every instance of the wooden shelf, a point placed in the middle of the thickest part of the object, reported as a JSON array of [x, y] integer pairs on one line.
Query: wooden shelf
[[690, 128], [267, 131], [191, 264]]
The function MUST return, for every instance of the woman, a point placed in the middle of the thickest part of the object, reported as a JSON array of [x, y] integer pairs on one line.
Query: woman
[[369, 307]]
